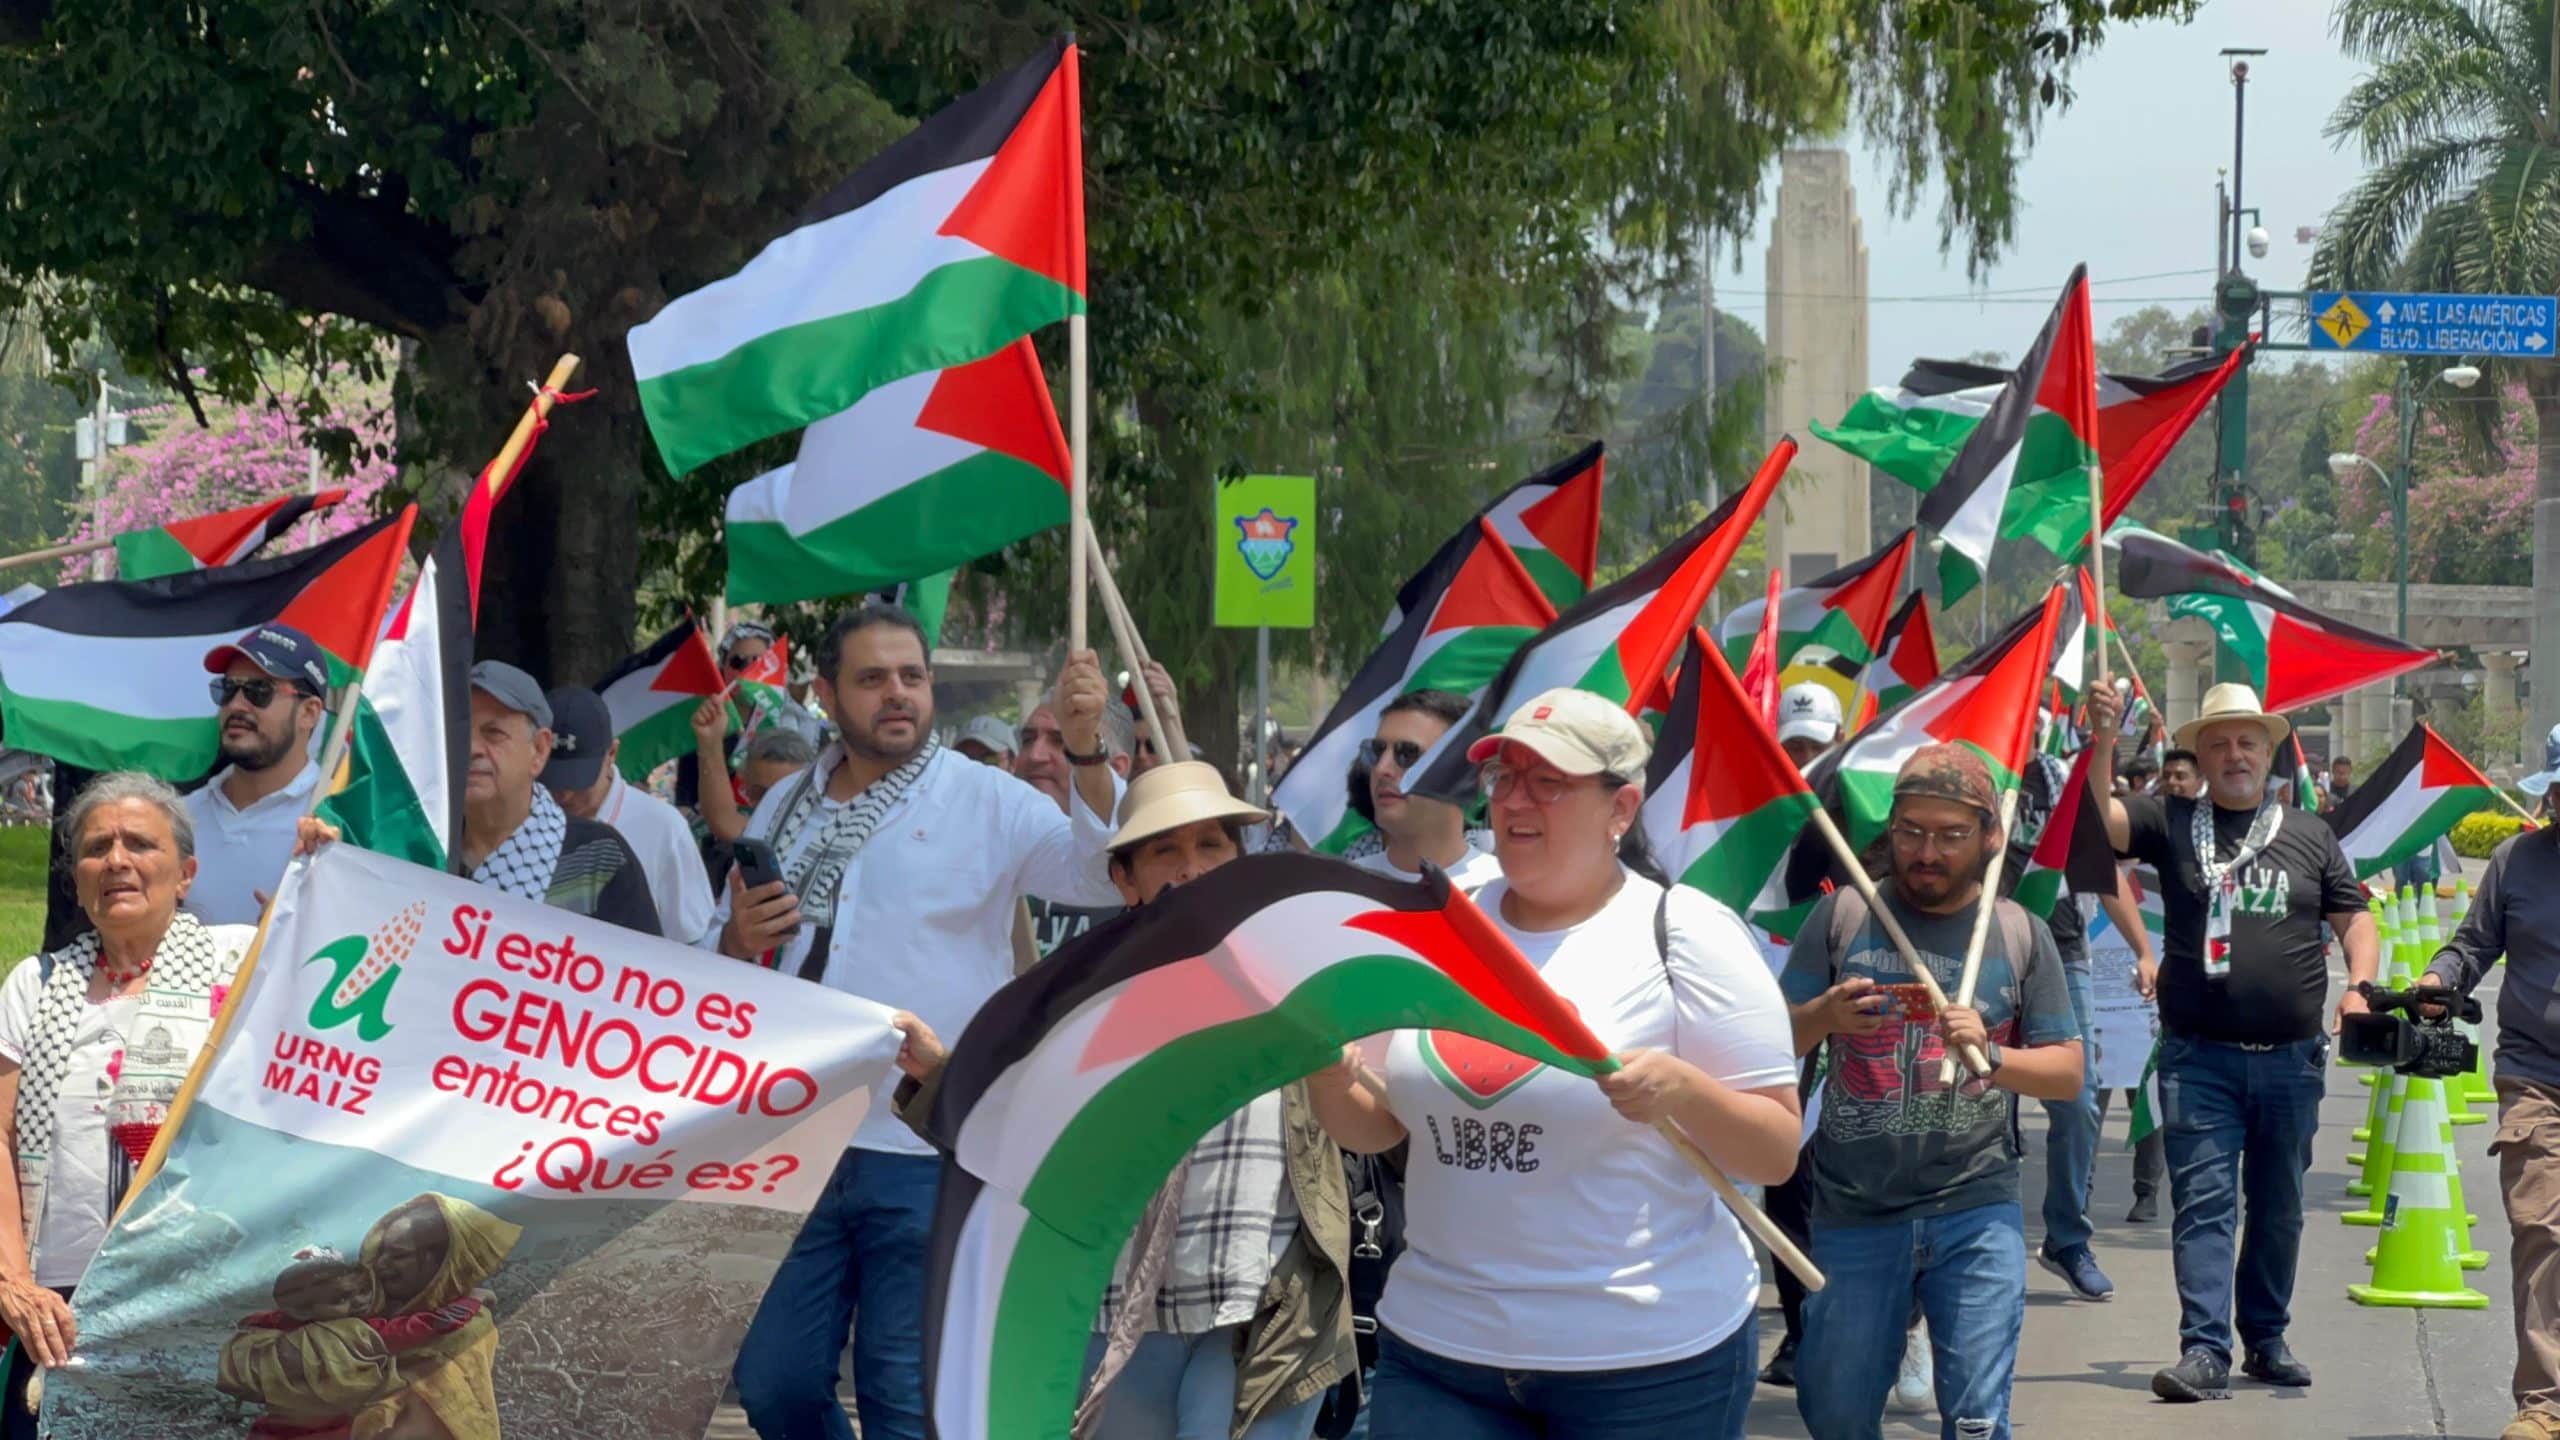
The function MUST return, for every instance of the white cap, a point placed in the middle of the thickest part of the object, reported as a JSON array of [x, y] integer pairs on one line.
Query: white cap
[[1809, 711]]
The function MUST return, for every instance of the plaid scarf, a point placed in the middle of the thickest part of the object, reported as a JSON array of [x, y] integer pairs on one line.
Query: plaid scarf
[[189, 973], [816, 873], [523, 862]]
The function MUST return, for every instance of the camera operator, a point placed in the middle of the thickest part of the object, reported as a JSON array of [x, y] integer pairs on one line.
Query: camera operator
[[2517, 913]]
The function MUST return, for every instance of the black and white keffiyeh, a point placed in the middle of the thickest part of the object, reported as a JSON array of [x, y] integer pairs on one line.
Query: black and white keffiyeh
[[816, 871], [523, 862], [2201, 832]]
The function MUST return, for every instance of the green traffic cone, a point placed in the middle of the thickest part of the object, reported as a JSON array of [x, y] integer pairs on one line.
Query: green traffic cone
[[2457, 1094], [2419, 1260], [2375, 1183]]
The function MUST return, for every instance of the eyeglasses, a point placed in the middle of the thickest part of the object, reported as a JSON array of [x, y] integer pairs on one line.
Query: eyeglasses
[[1408, 753], [261, 692], [1544, 787], [1907, 836]]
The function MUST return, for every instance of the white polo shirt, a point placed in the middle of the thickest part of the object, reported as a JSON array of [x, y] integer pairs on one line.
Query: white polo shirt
[[668, 856], [241, 852]]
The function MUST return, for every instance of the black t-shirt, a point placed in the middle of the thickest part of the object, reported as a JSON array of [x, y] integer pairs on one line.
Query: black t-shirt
[[2278, 987], [1053, 924]]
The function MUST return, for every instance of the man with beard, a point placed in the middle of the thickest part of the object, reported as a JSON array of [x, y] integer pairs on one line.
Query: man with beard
[[901, 864], [515, 837], [1416, 829], [270, 692], [1915, 1185], [2248, 884]]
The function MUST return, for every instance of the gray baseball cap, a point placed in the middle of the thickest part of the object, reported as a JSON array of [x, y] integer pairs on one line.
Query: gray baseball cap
[[514, 689]]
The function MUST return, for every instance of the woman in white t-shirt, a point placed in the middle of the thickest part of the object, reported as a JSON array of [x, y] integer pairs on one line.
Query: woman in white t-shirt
[[1566, 1274]]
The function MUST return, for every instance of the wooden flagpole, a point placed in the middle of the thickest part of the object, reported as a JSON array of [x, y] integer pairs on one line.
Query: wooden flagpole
[[1866, 887], [59, 552], [1982, 920], [1124, 632]]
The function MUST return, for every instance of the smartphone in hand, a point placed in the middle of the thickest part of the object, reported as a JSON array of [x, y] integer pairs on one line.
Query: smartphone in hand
[[757, 865]]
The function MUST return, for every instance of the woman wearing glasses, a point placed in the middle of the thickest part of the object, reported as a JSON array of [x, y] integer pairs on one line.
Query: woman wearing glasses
[[1566, 1274], [1415, 829]]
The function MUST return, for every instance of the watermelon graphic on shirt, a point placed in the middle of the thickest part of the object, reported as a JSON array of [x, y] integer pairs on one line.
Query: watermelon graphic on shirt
[[1476, 1071]]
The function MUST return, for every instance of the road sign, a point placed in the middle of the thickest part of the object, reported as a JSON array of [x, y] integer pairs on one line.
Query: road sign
[[2379, 322]]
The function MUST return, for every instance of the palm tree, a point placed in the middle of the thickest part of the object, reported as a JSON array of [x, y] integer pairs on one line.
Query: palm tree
[[2459, 120]]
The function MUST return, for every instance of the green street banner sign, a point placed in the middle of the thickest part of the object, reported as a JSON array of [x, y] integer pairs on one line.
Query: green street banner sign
[[1262, 544]]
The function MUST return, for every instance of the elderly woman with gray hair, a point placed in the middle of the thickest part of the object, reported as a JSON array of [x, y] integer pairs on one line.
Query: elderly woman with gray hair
[[94, 1040]]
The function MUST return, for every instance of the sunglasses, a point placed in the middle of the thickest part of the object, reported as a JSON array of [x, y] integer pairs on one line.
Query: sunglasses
[[261, 693], [738, 662], [1407, 752]]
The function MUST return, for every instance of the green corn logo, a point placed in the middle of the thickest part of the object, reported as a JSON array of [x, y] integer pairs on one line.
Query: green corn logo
[[362, 971]]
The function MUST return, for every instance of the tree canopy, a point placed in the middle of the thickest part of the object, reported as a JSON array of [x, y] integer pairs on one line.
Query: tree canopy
[[1273, 189]]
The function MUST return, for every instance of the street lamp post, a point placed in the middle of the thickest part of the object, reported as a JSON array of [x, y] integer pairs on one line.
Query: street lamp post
[[2344, 463]]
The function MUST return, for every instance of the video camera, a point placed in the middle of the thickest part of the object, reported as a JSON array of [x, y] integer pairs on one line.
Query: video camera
[[2417, 1044]]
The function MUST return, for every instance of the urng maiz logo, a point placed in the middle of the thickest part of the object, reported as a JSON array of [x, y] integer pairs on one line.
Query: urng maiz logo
[[362, 973], [1265, 543]]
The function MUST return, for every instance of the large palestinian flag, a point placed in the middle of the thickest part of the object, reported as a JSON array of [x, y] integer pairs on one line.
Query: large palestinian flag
[[110, 675], [225, 537], [2295, 655], [1620, 640], [1081, 1084], [921, 475], [2059, 380], [652, 697], [1989, 702], [2413, 800], [962, 236], [1551, 521], [1842, 614], [1906, 659], [1722, 801], [1471, 608], [1915, 431]]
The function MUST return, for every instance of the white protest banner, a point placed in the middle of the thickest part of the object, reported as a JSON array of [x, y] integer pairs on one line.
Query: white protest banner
[[2121, 1022], [466, 1165]]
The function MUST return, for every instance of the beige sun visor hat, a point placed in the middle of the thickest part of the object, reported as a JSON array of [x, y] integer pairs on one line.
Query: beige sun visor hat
[[1577, 732], [1173, 795]]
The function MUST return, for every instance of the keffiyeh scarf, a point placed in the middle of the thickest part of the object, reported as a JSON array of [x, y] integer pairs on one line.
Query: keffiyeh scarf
[[522, 864], [189, 973], [816, 873]]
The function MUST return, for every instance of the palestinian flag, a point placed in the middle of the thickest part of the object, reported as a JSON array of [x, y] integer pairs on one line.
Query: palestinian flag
[[2295, 655], [1620, 640], [956, 240], [225, 537], [921, 475], [1081, 1084], [1551, 521], [1472, 607], [2291, 771], [1914, 433], [1760, 663], [1989, 702], [2060, 380], [2071, 855], [399, 790], [110, 675], [1906, 659], [652, 697], [1722, 801], [1842, 614], [2421, 790]]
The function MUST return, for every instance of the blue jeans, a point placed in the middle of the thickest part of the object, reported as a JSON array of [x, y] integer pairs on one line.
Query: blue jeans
[[863, 1249], [1183, 1387], [2237, 1119], [1969, 1270], [1422, 1396], [2071, 1138]]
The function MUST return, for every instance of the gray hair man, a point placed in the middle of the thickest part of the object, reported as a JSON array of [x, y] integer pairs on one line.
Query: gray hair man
[[515, 837], [2250, 886]]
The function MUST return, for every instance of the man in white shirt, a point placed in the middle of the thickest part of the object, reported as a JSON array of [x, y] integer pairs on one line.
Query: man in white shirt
[[270, 691], [901, 864], [582, 777], [1415, 829]]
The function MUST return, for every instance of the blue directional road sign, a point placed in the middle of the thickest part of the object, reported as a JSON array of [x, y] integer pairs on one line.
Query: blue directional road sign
[[2380, 322]]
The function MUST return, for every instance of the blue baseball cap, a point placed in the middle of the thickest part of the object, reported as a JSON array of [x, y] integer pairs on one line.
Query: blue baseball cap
[[2540, 780], [281, 651]]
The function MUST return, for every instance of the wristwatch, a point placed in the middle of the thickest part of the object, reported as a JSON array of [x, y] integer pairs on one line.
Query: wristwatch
[[1098, 757], [1992, 1057]]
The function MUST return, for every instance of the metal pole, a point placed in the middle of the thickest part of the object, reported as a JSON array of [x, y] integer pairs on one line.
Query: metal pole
[[2239, 127], [2400, 500], [1261, 713], [106, 567]]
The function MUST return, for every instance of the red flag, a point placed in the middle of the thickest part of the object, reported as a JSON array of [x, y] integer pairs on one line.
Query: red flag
[[1760, 673]]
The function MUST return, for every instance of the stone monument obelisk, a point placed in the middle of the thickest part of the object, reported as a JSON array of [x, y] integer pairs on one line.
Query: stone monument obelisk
[[1817, 348]]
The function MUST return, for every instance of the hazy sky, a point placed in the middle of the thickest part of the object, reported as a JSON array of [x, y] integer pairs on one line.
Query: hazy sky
[[2123, 180]]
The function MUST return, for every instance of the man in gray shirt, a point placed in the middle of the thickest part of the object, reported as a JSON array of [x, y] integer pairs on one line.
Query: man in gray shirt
[[2517, 914]]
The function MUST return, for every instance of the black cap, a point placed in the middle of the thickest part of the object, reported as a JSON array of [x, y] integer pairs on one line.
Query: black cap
[[281, 651], [581, 738]]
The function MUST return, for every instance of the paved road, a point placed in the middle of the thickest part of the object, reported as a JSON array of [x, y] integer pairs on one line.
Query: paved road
[[2085, 1370]]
